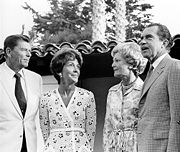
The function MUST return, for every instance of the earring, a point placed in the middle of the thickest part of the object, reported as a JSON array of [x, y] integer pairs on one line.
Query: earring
[[60, 75]]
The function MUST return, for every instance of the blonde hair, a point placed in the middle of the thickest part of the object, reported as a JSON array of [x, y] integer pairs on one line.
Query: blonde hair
[[131, 53]]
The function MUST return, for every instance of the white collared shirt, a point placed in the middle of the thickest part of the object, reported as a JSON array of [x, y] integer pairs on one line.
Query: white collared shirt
[[11, 73], [156, 62]]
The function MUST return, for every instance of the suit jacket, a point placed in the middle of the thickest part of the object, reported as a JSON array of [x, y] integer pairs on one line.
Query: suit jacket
[[159, 109], [11, 118]]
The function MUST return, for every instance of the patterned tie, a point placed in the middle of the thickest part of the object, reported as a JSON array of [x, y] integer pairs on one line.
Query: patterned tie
[[20, 94]]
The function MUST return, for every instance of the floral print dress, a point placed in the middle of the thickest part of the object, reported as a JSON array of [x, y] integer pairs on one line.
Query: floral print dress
[[71, 128], [119, 134]]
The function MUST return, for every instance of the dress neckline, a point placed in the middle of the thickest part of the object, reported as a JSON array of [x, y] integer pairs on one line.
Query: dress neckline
[[70, 100]]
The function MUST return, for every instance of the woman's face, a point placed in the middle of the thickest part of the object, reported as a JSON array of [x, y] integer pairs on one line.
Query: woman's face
[[120, 66], [71, 72]]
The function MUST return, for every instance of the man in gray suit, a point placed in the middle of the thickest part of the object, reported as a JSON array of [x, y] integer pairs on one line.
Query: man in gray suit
[[159, 106]]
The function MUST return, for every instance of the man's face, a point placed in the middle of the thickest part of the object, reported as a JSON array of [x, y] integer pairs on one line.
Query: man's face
[[151, 45], [19, 57]]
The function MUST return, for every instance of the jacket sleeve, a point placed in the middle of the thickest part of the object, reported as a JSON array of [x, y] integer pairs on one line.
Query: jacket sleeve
[[174, 103], [107, 126]]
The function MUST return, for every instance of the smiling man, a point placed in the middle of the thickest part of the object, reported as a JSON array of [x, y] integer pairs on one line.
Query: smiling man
[[159, 106], [20, 91]]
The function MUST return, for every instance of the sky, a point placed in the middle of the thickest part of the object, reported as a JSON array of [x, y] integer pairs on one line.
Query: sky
[[13, 16]]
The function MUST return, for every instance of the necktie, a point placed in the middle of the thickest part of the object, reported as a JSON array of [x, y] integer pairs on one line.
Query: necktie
[[20, 94], [148, 75]]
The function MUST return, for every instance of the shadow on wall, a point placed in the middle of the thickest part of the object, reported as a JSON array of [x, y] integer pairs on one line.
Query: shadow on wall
[[100, 87]]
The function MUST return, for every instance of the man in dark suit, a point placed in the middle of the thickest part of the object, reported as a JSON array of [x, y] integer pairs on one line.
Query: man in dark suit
[[20, 91], [159, 106]]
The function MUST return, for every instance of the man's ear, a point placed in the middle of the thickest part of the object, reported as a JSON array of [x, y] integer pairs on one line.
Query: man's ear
[[8, 51], [165, 43]]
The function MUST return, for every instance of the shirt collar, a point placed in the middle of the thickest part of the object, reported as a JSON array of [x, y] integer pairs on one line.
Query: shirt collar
[[137, 85], [11, 73], [156, 62]]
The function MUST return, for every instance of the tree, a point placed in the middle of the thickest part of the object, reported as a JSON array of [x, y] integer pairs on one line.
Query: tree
[[137, 19], [72, 21], [67, 21], [98, 20], [136, 16], [120, 20]]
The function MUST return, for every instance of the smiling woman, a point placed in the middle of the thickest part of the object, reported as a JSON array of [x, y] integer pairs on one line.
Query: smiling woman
[[68, 113]]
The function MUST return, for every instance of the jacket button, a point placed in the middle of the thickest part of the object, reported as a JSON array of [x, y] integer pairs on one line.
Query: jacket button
[[20, 136]]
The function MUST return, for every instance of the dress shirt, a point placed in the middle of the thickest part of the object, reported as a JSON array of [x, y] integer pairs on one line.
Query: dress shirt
[[11, 74], [156, 62]]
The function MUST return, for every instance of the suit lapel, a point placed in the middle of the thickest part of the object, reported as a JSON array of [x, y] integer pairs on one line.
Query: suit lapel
[[4, 80], [157, 72], [28, 90], [32, 93]]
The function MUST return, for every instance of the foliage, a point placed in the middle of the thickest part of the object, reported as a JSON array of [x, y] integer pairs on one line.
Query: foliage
[[71, 21], [67, 21], [136, 16]]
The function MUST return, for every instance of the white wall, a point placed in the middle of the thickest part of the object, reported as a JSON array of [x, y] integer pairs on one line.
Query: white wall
[[49, 83]]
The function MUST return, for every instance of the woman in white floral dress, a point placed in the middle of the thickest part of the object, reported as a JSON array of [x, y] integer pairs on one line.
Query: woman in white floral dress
[[119, 134], [68, 113]]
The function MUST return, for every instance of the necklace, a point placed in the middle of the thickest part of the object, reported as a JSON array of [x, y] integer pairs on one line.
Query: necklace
[[127, 87]]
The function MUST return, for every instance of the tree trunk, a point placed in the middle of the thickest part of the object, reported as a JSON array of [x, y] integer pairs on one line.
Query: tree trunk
[[98, 20], [120, 20]]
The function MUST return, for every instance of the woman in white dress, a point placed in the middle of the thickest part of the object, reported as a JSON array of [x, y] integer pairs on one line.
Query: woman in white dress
[[119, 133], [68, 113]]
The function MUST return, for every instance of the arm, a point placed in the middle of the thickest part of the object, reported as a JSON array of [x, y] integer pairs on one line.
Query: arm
[[91, 120], [107, 126], [174, 103], [44, 118]]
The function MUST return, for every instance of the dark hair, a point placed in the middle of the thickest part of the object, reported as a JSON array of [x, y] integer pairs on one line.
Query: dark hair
[[12, 40], [163, 33], [61, 58]]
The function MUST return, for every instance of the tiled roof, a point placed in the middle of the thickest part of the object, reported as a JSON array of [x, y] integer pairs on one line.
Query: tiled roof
[[85, 47], [96, 56]]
